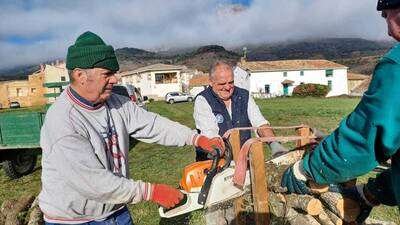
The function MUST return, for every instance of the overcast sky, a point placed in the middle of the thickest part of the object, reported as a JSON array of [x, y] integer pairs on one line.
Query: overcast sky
[[32, 31]]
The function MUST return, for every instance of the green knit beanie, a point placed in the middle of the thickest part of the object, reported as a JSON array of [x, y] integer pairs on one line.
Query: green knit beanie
[[90, 51]]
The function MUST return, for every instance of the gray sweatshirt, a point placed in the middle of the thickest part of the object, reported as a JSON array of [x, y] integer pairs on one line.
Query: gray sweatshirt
[[79, 181]]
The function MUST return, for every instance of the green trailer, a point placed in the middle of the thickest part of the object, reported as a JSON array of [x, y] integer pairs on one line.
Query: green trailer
[[20, 141]]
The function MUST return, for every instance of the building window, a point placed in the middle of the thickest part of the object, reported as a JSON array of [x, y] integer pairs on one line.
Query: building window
[[329, 85], [166, 78], [284, 74], [33, 90], [266, 89], [19, 92], [328, 73], [302, 73], [62, 78]]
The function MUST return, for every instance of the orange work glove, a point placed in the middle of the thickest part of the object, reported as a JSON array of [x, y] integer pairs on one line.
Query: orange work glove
[[208, 144], [165, 195]]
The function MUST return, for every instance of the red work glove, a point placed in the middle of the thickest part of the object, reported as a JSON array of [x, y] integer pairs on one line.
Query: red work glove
[[165, 195], [208, 144]]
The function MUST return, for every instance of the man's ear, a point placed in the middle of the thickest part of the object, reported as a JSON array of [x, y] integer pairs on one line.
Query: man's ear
[[79, 75]]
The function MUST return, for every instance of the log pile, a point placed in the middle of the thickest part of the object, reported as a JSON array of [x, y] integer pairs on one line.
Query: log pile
[[22, 211], [322, 207]]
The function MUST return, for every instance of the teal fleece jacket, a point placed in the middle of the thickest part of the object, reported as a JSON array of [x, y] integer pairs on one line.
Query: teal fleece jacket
[[369, 135]]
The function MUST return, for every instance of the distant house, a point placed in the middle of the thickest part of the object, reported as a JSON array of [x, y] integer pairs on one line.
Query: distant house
[[198, 84], [56, 79], [157, 80], [355, 79], [27, 93], [276, 78]]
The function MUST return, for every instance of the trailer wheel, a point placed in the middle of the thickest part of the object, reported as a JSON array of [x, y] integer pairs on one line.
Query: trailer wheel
[[23, 164]]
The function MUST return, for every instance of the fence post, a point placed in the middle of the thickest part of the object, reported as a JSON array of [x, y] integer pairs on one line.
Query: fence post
[[259, 184], [234, 140]]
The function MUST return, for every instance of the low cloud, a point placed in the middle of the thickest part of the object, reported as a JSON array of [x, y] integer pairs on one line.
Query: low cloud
[[49, 27]]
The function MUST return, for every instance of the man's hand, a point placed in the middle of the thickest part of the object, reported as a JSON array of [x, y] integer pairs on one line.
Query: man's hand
[[209, 145], [165, 195], [265, 131], [294, 180]]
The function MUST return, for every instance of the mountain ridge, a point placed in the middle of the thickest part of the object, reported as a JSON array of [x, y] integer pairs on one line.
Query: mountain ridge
[[360, 55]]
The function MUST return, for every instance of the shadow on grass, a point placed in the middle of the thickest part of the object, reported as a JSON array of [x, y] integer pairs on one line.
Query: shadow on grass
[[182, 219]]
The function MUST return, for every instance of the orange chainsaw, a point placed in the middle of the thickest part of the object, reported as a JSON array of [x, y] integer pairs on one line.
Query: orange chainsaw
[[206, 183]]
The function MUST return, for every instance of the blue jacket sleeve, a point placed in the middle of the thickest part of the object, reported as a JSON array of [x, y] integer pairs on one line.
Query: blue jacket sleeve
[[370, 134]]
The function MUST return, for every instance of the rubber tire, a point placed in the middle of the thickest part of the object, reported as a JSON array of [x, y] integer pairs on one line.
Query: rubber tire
[[190, 99], [171, 101], [15, 170]]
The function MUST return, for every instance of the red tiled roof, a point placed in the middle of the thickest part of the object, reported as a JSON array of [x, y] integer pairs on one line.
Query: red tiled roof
[[287, 65], [287, 81], [199, 81], [154, 67]]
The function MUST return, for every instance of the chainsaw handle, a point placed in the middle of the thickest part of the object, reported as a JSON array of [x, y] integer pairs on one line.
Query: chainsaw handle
[[181, 203], [228, 154], [210, 175]]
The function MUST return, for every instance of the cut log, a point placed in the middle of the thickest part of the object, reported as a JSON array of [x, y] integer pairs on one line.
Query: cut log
[[324, 219], [288, 158], [274, 175], [333, 217], [20, 206], [302, 219], [347, 209], [317, 188], [305, 203], [277, 205]]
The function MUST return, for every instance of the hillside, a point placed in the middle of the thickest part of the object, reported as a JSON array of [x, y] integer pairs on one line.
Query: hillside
[[331, 48], [132, 58], [358, 54], [203, 58]]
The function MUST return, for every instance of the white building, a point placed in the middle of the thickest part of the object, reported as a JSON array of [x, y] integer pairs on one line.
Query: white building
[[157, 80], [198, 83], [276, 78]]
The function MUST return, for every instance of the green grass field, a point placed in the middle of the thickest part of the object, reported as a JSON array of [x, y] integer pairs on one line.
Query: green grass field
[[159, 164]]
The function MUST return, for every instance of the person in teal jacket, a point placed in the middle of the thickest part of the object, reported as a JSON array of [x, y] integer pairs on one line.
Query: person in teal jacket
[[368, 136]]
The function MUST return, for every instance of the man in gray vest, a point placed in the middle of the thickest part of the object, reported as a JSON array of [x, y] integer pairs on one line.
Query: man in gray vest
[[85, 143]]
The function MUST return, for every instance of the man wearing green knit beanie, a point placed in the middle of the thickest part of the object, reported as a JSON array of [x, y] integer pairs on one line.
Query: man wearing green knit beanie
[[85, 144], [90, 51]]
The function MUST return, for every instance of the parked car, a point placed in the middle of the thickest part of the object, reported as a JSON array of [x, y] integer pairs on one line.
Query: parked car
[[173, 97], [14, 105], [131, 92]]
